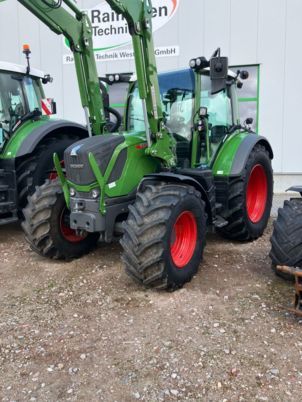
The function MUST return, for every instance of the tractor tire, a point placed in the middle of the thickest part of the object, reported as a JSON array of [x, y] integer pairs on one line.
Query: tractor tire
[[164, 236], [286, 239], [250, 198], [33, 170], [46, 225]]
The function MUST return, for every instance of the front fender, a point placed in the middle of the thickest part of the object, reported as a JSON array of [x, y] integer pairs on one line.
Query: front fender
[[233, 155], [170, 177]]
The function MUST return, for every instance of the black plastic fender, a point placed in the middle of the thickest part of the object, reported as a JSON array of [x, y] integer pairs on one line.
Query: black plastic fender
[[182, 179], [244, 151], [296, 189], [55, 127]]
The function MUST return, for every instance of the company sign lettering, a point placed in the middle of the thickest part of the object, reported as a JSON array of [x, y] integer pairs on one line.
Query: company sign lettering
[[110, 30]]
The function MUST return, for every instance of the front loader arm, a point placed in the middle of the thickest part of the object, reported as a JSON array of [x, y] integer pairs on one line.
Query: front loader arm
[[76, 27], [138, 14]]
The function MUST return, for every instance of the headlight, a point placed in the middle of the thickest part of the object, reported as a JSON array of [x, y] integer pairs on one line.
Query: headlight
[[198, 62], [193, 63], [117, 77], [72, 192], [95, 193]]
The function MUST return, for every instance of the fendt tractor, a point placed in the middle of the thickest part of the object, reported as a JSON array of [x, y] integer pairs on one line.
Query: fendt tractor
[[183, 164], [29, 135]]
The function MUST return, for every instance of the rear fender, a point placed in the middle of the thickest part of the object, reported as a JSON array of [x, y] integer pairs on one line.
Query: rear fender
[[169, 177], [32, 133], [296, 189], [233, 155]]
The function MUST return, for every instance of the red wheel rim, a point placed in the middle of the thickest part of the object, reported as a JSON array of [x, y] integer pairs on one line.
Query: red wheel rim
[[68, 233], [184, 239], [256, 194]]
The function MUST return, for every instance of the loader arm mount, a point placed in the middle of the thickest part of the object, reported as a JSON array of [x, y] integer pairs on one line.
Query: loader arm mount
[[75, 26], [138, 14]]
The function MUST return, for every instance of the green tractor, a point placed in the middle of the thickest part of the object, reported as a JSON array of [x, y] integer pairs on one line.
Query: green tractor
[[184, 164], [29, 135]]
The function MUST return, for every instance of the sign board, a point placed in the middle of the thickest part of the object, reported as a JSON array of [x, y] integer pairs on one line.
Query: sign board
[[111, 32]]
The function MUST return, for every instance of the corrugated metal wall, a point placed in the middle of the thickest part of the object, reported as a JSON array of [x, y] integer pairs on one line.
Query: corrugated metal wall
[[249, 31]]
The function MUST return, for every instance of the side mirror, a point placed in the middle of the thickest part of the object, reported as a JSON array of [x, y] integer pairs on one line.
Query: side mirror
[[46, 79], [218, 73], [249, 121]]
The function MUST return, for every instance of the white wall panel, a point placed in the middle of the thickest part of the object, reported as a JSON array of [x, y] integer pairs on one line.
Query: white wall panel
[[292, 130], [244, 31], [217, 26], [271, 52]]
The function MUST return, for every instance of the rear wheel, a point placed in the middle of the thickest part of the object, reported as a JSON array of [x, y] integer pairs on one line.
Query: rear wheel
[[250, 198], [286, 239], [46, 225], [164, 236]]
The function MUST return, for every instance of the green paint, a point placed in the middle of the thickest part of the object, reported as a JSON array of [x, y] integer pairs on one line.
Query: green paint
[[62, 179], [13, 145], [77, 29], [248, 99], [137, 165], [118, 105], [258, 100], [223, 163], [100, 179], [197, 104]]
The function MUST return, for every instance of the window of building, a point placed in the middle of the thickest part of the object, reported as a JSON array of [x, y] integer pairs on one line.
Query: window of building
[[249, 95]]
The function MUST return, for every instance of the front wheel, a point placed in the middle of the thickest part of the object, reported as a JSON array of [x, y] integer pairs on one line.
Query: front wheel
[[164, 236], [250, 198], [46, 225]]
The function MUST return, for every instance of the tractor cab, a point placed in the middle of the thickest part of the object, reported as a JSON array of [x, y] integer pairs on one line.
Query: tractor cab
[[21, 96], [184, 95]]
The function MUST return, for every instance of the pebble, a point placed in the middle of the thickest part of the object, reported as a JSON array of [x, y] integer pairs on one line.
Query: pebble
[[274, 371], [83, 356], [174, 392], [136, 395]]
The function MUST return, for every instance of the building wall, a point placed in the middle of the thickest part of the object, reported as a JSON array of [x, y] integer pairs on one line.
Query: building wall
[[248, 31]]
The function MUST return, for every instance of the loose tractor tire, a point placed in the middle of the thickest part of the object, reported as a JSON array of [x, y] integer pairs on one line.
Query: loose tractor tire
[[47, 229], [250, 198], [164, 235], [286, 239]]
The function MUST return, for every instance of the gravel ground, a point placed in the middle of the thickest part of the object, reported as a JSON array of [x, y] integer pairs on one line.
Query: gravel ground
[[83, 331]]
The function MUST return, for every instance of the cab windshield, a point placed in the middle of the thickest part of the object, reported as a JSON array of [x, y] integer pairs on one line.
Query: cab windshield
[[177, 96], [177, 91], [19, 95]]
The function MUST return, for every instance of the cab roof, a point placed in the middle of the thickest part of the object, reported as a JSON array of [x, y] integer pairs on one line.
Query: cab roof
[[17, 68]]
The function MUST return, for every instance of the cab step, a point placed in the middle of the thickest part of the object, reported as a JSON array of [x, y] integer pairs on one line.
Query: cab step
[[6, 221], [220, 222]]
